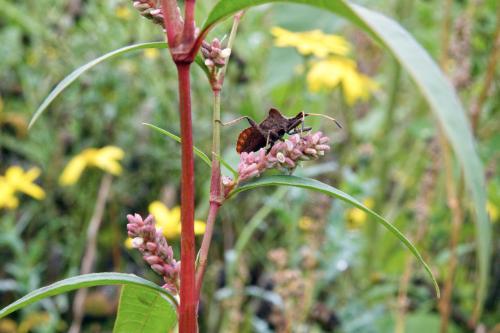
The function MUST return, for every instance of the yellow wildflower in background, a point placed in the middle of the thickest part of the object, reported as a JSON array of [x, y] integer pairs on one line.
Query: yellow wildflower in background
[[123, 12], [169, 220], [152, 54], [16, 180], [493, 211], [357, 217], [105, 159], [329, 73], [332, 68], [312, 42], [306, 223]]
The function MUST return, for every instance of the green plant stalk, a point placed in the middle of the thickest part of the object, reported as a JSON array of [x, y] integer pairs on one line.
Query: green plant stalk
[[216, 194], [216, 188]]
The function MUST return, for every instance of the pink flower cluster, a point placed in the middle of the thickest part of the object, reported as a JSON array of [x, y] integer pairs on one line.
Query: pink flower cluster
[[155, 250], [214, 54], [283, 155], [150, 9]]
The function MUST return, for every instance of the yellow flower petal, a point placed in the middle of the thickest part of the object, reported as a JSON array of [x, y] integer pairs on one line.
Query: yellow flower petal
[[160, 212], [73, 170], [355, 218], [199, 227], [128, 243], [8, 198], [329, 73], [123, 12], [107, 159], [168, 220], [493, 211], [175, 214], [23, 181], [305, 223], [311, 42], [152, 53]]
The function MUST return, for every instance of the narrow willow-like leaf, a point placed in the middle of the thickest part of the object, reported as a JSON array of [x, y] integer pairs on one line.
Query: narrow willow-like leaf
[[82, 69], [198, 152], [73, 76], [84, 281], [331, 191], [144, 311], [431, 82]]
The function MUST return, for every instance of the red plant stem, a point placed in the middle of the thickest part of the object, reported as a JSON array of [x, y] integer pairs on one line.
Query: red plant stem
[[189, 26], [172, 21], [188, 299]]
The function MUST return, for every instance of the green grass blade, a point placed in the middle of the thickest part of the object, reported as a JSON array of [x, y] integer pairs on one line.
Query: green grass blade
[[143, 311], [331, 191], [198, 152], [82, 69], [84, 281], [433, 85]]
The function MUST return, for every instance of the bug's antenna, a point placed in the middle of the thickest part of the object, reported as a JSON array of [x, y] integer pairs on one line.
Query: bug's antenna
[[324, 116]]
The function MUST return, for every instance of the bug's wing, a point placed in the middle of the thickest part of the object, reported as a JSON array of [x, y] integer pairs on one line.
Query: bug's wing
[[250, 140], [274, 120]]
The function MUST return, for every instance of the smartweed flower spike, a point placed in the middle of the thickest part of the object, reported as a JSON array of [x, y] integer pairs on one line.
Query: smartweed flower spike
[[284, 155], [150, 9], [214, 54], [155, 250]]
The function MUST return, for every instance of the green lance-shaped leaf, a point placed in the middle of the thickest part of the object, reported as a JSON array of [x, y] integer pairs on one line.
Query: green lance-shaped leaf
[[73, 76], [171, 135], [431, 82], [196, 150], [143, 311], [331, 191], [89, 280]]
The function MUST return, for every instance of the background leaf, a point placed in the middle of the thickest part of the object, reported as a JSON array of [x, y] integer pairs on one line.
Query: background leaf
[[432, 84], [84, 281], [144, 311], [82, 69], [177, 138], [331, 191]]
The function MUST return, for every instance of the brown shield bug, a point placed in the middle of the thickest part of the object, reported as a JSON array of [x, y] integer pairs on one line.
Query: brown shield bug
[[271, 129]]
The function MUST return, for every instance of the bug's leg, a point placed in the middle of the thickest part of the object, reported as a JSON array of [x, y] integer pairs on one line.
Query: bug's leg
[[234, 121], [272, 136], [303, 129]]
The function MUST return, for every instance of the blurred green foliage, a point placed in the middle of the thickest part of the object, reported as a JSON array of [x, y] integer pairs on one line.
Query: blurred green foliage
[[331, 274]]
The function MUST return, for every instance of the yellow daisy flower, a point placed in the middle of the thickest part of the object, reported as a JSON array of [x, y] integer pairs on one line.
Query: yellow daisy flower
[[123, 12], [331, 72], [169, 220], [152, 53], [306, 223], [17, 180], [105, 159], [357, 217], [312, 42], [493, 211]]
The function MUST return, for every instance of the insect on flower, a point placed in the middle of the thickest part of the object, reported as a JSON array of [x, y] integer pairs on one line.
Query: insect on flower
[[271, 129]]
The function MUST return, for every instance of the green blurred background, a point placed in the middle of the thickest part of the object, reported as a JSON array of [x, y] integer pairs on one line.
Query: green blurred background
[[311, 264]]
